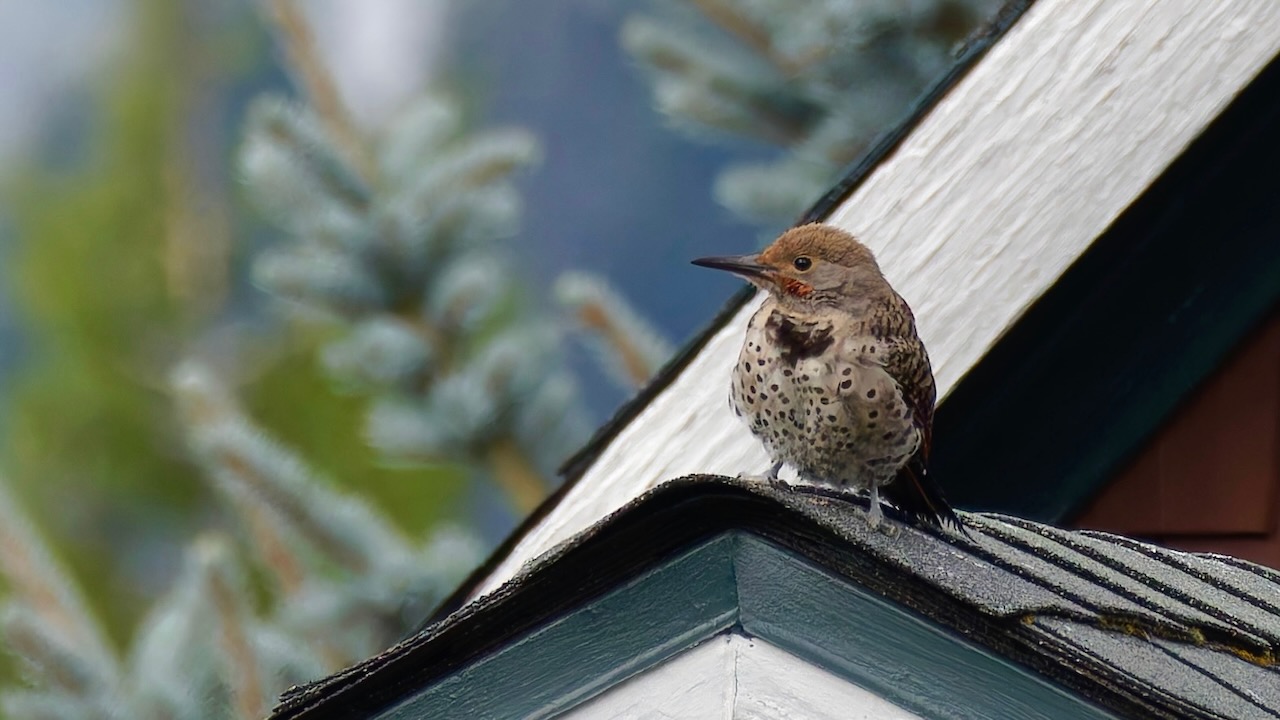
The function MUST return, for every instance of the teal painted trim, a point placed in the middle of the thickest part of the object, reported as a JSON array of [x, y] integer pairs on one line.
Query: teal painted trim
[[909, 661], [740, 579], [636, 626]]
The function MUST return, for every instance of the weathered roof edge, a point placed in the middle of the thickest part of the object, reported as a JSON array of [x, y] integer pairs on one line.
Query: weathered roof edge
[[1199, 603], [884, 147]]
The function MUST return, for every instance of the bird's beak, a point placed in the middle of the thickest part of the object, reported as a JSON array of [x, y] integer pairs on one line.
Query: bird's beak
[[746, 266]]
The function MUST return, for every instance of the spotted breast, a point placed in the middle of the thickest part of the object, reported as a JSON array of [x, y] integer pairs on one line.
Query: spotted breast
[[819, 400]]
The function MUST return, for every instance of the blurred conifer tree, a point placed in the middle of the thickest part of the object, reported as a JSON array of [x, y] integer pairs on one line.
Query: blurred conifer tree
[[123, 263]]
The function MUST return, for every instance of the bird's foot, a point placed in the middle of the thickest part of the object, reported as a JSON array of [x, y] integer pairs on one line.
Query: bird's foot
[[775, 482], [772, 472], [875, 516], [770, 477]]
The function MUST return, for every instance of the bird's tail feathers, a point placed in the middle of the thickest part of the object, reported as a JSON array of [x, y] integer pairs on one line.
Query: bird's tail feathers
[[919, 496]]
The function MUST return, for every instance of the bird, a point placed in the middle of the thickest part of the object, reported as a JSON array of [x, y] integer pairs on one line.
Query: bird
[[832, 377]]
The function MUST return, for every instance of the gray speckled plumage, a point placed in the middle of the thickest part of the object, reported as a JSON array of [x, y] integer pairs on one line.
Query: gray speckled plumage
[[832, 376], [837, 416]]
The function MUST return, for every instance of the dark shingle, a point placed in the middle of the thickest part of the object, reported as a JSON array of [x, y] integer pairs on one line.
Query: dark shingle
[[1150, 589], [1150, 669], [1259, 685]]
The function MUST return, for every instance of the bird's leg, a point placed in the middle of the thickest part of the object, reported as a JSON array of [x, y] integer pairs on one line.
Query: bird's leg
[[875, 513]]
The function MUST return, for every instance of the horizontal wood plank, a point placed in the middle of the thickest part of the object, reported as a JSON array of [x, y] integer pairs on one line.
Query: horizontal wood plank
[[1008, 180]]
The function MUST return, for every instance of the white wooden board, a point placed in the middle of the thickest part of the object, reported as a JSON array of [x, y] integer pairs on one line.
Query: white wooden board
[[731, 677], [1047, 140]]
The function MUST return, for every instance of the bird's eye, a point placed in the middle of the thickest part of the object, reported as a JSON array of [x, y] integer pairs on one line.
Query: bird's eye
[[802, 263]]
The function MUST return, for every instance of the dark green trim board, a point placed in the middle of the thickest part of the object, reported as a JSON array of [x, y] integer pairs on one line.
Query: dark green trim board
[[897, 655], [1012, 620], [662, 612], [740, 581], [1095, 367]]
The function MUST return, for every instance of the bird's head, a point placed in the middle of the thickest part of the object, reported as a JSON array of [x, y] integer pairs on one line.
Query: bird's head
[[808, 267]]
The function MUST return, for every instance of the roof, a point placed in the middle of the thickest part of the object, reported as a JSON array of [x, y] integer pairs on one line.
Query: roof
[[1139, 630]]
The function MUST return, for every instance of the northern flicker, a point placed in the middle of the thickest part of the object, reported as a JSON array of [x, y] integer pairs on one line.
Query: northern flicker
[[832, 376]]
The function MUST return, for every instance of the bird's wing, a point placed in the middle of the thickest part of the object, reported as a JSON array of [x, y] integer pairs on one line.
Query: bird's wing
[[905, 360], [915, 492]]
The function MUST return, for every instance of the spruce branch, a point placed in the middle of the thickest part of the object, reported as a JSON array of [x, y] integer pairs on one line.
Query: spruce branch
[[449, 353], [729, 18], [819, 78], [701, 84], [57, 610], [517, 473], [39, 705], [46, 624], [198, 653], [286, 568], [627, 345], [252, 469], [310, 531], [248, 696], [307, 67], [47, 654]]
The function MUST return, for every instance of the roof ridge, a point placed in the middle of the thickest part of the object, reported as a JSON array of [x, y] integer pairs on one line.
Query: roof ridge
[[1037, 595]]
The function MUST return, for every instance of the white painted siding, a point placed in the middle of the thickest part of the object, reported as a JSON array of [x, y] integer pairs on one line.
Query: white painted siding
[[1066, 120], [739, 678]]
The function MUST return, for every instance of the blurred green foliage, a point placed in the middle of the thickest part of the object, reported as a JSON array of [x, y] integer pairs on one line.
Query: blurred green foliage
[[90, 439], [329, 432], [86, 440]]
